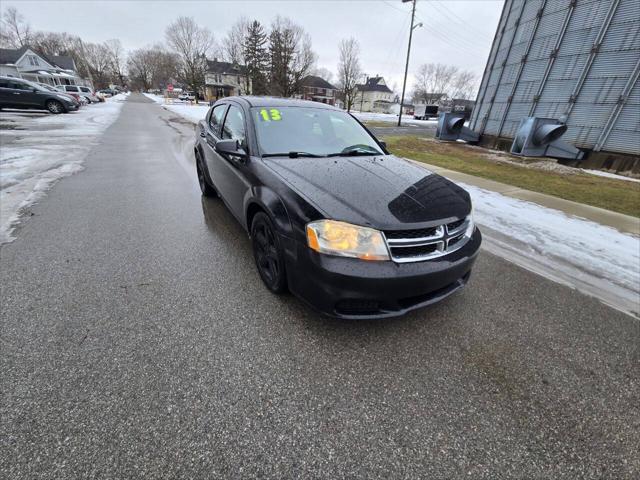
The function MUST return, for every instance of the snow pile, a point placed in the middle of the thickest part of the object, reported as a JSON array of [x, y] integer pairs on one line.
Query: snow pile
[[615, 176], [191, 111], [37, 149], [598, 260], [392, 118]]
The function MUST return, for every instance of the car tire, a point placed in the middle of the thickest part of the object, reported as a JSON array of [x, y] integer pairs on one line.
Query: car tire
[[206, 189], [55, 107], [267, 253]]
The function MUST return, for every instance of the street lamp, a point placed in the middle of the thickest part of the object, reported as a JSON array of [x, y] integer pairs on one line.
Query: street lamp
[[406, 68]]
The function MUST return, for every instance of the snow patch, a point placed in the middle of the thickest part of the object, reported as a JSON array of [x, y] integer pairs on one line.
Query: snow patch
[[191, 111], [392, 118], [37, 149], [615, 176], [593, 258]]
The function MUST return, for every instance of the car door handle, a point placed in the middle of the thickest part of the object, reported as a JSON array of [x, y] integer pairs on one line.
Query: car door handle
[[202, 134], [17, 93]]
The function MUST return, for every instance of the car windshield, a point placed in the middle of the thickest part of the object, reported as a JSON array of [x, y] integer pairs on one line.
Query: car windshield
[[310, 132]]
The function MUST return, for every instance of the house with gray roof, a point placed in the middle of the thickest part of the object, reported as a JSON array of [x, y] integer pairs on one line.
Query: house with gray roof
[[317, 89], [29, 64], [374, 96], [225, 79]]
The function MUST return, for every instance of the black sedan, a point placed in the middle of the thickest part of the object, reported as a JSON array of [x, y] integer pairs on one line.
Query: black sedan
[[333, 217]]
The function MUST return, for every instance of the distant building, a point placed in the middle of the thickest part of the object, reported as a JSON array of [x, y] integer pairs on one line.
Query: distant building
[[30, 65], [224, 79], [318, 89], [373, 96], [430, 98]]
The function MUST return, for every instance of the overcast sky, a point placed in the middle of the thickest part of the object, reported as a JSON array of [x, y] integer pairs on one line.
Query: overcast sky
[[457, 32]]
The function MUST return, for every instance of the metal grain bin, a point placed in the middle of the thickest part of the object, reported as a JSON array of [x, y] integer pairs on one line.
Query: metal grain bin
[[577, 61]]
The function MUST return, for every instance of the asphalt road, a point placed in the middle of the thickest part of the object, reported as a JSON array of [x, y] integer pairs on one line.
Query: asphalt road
[[137, 341]]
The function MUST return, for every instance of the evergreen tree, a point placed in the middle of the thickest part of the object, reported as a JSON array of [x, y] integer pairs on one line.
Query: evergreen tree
[[256, 57], [291, 57]]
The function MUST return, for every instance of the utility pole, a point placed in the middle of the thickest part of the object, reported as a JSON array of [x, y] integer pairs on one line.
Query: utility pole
[[406, 68]]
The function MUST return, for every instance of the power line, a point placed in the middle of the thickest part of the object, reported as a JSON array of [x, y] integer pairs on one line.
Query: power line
[[456, 18]]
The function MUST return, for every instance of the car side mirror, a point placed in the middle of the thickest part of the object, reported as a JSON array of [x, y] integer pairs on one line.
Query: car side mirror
[[230, 147], [34, 90], [383, 144]]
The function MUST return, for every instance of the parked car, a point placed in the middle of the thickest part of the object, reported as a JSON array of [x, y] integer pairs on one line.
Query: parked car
[[85, 92], [23, 94], [353, 230], [187, 96], [76, 98], [106, 92]]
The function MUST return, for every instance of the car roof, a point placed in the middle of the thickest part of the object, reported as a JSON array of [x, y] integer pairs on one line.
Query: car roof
[[252, 101], [13, 78]]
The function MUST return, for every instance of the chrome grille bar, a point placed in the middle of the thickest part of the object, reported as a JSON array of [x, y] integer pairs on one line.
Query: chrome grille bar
[[442, 242]]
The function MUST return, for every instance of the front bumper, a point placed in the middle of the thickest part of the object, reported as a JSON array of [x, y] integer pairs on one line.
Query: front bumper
[[356, 289]]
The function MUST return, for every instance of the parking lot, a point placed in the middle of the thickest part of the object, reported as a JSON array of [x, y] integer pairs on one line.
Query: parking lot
[[138, 340]]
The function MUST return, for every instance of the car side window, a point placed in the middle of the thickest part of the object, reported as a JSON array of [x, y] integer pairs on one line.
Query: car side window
[[85, 89], [215, 120], [71, 89], [234, 125], [19, 86], [4, 84]]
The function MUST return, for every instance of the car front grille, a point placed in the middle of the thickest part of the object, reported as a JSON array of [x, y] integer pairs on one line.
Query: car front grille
[[418, 245]]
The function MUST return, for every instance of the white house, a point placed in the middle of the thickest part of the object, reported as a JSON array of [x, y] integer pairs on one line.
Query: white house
[[224, 79], [26, 63], [374, 96]]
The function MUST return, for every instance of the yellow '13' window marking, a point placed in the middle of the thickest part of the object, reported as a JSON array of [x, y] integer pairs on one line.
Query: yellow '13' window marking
[[272, 114]]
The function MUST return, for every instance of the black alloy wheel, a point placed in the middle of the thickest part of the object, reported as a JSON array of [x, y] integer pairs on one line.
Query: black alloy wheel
[[268, 254], [206, 189]]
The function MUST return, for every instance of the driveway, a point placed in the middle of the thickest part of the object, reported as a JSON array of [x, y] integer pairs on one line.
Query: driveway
[[138, 342]]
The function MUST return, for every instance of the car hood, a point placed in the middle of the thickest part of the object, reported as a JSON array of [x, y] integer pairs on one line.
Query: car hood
[[384, 192]]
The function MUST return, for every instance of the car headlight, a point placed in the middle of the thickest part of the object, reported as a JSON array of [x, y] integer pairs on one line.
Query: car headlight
[[345, 240], [64, 97], [472, 225]]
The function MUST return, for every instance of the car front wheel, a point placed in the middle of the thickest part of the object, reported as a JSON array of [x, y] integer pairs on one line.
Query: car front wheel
[[206, 189], [55, 106], [268, 253]]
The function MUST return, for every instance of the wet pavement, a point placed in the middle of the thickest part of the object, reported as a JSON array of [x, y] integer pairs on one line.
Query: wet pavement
[[137, 341]]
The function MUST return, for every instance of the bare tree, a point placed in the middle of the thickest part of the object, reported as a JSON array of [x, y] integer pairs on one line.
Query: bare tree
[[323, 73], [15, 32], [53, 43], [192, 43], [96, 56], [290, 56], [433, 81], [151, 67], [464, 85], [349, 71], [233, 43], [117, 59]]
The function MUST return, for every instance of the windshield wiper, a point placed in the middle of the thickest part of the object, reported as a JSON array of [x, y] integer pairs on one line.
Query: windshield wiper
[[293, 155], [355, 153]]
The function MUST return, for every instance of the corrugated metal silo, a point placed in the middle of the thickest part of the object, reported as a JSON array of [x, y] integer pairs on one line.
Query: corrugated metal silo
[[575, 61]]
